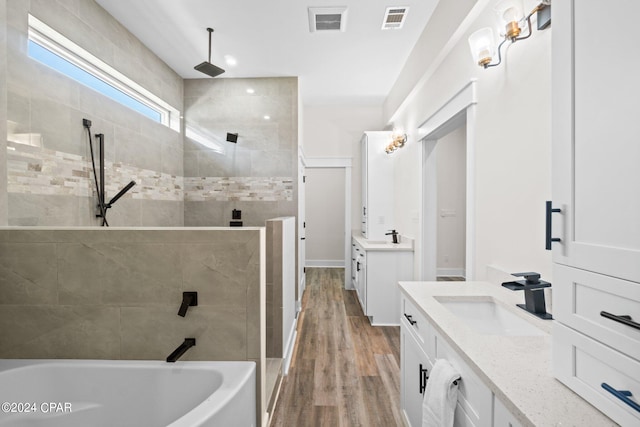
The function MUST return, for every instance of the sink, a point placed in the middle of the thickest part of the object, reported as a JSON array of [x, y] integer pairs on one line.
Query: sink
[[487, 317]]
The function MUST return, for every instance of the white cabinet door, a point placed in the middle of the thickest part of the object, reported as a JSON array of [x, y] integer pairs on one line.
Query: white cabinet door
[[412, 360], [595, 130]]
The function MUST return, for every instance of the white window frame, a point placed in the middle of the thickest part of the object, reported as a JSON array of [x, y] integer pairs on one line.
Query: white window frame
[[50, 39]]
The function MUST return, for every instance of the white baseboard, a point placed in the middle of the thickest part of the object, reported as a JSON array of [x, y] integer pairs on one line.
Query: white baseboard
[[288, 353], [457, 272], [327, 263]]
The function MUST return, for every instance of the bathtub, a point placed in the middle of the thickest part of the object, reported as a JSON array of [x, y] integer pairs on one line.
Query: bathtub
[[70, 393]]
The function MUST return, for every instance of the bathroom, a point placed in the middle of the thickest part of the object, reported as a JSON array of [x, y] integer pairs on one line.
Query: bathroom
[[184, 171]]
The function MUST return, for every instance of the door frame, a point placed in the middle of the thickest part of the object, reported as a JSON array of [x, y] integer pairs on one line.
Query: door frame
[[346, 164], [458, 110]]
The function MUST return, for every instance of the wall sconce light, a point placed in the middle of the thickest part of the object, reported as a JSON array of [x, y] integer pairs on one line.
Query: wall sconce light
[[511, 16], [398, 139]]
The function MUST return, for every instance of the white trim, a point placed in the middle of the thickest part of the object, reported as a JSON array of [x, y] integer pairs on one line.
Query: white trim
[[340, 162], [288, 351], [50, 39], [459, 33], [327, 263], [458, 110]]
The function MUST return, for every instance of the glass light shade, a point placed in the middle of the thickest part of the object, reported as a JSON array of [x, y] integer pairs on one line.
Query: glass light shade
[[509, 11], [483, 46]]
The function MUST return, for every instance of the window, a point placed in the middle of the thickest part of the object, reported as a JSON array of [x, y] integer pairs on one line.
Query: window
[[56, 51]]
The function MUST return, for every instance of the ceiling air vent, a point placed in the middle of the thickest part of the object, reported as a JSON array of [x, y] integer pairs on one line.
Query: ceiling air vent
[[327, 19], [394, 17]]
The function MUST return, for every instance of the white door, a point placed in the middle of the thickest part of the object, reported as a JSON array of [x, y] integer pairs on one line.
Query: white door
[[596, 136]]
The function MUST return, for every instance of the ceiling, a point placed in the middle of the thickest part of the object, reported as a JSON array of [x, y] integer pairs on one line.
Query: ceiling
[[271, 38]]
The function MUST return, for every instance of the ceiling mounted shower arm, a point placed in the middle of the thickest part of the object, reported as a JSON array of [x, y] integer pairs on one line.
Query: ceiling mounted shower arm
[[207, 67], [210, 30]]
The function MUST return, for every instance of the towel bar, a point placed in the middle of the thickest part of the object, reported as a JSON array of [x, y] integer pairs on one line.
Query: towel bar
[[424, 377]]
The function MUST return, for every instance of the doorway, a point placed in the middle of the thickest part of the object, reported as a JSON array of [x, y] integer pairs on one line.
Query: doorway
[[448, 196], [339, 167]]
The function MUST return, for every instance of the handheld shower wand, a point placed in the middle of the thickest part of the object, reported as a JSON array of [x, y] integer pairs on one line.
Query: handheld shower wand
[[102, 206]]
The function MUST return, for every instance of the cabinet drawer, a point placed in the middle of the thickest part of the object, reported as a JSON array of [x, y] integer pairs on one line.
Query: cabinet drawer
[[475, 403], [418, 325], [584, 364], [501, 415], [580, 296]]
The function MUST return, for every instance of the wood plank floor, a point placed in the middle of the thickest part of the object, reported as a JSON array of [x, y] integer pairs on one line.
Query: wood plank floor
[[344, 372]]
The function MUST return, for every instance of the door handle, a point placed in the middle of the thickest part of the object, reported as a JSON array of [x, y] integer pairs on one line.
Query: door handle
[[548, 239]]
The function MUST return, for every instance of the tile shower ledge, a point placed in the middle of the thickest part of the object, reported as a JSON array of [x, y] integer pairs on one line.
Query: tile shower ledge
[[517, 369], [96, 234]]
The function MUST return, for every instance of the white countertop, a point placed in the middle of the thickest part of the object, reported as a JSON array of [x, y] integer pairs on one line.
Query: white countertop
[[405, 244], [517, 369]]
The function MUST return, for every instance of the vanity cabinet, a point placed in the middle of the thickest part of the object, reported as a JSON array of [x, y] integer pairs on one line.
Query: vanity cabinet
[[377, 186], [421, 345], [596, 187], [378, 269]]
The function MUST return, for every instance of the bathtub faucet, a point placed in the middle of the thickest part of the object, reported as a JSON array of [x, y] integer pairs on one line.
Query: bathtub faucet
[[186, 345]]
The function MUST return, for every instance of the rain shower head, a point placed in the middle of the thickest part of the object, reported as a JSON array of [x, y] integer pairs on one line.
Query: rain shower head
[[207, 67]]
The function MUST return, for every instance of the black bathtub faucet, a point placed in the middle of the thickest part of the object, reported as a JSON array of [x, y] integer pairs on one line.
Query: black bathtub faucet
[[186, 345]]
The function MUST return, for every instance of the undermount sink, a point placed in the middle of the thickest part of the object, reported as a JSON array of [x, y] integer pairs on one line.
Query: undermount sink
[[487, 317]]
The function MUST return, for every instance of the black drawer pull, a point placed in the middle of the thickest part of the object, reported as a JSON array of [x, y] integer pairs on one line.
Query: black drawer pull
[[623, 395], [410, 319], [623, 318]]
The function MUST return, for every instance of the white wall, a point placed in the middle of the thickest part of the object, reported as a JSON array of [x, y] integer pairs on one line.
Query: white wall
[[325, 217], [451, 177], [335, 131], [512, 142]]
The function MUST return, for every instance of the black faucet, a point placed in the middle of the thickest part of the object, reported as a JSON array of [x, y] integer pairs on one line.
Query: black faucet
[[186, 345], [533, 288], [189, 299], [393, 234]]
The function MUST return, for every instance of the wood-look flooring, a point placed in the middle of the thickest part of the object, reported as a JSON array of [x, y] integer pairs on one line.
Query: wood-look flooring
[[343, 372]]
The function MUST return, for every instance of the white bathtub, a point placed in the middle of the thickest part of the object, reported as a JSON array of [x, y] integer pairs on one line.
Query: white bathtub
[[96, 393]]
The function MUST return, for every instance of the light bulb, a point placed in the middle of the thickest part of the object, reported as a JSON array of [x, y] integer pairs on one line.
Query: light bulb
[[510, 13]]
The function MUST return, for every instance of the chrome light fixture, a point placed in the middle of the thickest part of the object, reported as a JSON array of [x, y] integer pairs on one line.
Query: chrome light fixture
[[398, 139], [511, 17]]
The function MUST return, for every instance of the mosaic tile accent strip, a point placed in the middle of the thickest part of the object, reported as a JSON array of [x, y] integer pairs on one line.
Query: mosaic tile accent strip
[[37, 170], [217, 188]]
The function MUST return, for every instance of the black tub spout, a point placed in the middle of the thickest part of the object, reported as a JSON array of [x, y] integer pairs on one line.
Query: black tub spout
[[186, 345]]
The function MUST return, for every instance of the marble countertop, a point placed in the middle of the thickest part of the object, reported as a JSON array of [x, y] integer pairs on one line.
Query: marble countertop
[[517, 369], [405, 244]]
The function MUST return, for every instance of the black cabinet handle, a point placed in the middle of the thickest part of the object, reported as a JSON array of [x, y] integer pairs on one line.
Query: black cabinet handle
[[358, 266], [623, 395], [549, 239], [424, 376], [302, 238], [623, 318], [410, 319]]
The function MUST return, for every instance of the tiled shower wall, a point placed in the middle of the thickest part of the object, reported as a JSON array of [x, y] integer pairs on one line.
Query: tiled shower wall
[[254, 175], [48, 160], [3, 112], [48, 177]]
